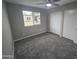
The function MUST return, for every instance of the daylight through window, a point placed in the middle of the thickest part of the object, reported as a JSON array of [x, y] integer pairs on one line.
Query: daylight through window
[[31, 18]]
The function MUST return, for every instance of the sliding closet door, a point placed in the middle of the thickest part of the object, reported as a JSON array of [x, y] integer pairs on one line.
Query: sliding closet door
[[70, 24], [55, 22]]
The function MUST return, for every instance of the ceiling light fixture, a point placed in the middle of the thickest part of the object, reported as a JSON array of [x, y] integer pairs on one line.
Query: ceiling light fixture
[[48, 4]]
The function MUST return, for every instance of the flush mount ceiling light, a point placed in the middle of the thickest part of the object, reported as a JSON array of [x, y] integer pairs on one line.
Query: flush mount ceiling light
[[49, 5]]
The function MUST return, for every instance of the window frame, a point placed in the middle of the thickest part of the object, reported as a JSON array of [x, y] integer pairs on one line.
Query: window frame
[[32, 18]]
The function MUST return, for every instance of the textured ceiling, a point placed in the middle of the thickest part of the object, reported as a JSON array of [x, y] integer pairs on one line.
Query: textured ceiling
[[34, 2]]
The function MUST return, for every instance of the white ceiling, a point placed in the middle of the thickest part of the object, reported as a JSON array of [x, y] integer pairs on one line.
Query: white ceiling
[[34, 2]]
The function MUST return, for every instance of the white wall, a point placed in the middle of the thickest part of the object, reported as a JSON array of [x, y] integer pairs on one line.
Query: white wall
[[63, 23], [17, 23], [7, 43], [55, 22], [70, 24]]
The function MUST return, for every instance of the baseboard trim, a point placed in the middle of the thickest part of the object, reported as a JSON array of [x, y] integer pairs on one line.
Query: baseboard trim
[[62, 36], [8, 56], [28, 36], [70, 39], [55, 34]]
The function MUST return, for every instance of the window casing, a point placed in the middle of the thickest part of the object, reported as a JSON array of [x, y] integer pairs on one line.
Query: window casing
[[31, 18]]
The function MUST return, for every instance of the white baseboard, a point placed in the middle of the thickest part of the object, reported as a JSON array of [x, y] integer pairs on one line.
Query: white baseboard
[[29, 36], [8, 56], [64, 37]]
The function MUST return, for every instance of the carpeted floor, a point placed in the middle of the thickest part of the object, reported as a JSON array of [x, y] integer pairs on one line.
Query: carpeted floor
[[45, 46]]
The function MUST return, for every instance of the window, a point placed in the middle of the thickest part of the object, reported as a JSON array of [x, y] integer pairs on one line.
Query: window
[[31, 18]]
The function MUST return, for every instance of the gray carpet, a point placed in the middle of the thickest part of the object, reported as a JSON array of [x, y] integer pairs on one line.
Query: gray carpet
[[45, 46]]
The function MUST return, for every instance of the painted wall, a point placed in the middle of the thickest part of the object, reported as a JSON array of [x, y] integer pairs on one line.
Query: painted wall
[[59, 26], [70, 24], [7, 43], [55, 22], [17, 24]]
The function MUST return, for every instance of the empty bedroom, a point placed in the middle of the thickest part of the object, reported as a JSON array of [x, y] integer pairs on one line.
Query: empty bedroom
[[39, 29]]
